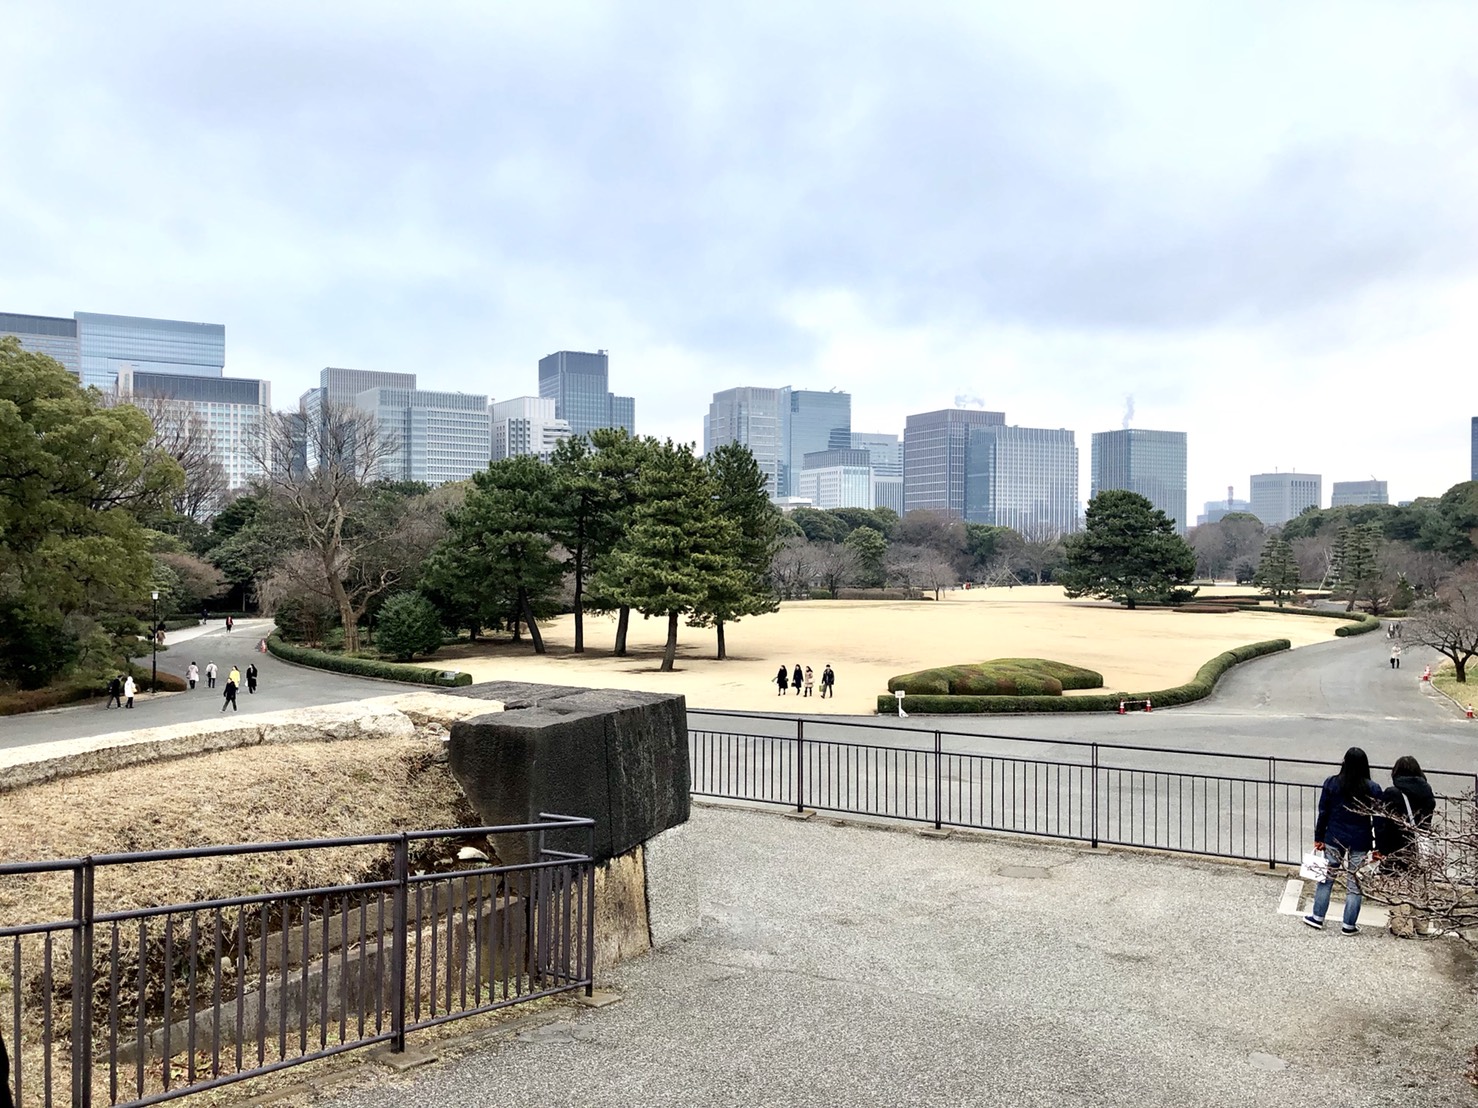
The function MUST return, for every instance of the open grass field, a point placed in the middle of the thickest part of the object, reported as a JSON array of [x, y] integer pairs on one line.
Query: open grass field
[[867, 642]]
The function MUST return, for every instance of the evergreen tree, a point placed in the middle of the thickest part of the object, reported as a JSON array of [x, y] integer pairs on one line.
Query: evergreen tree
[[742, 503], [1128, 551], [499, 546], [616, 465], [1277, 572], [675, 554], [586, 520], [407, 625], [871, 548]]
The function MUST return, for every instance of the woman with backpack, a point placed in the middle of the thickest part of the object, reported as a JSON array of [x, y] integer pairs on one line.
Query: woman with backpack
[[1343, 832], [1407, 808]]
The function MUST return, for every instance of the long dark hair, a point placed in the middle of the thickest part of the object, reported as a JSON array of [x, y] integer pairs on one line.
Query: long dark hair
[[1407, 766], [1354, 772]]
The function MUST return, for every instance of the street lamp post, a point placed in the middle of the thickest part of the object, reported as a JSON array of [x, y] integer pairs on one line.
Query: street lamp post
[[154, 640]]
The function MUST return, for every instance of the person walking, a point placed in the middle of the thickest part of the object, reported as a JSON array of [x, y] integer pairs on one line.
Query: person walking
[[210, 675], [782, 679], [192, 674], [129, 688], [810, 681], [115, 692], [797, 679], [230, 623], [251, 677], [230, 700], [828, 682], [1395, 657], [1343, 831], [234, 676]]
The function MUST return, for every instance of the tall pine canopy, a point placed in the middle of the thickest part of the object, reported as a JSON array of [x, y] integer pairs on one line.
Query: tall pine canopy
[[1128, 552], [742, 501]]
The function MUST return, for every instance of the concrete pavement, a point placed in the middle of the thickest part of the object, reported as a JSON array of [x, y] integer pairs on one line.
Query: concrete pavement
[[844, 966]]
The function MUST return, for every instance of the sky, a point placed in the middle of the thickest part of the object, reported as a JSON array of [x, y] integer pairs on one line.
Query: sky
[[1253, 222]]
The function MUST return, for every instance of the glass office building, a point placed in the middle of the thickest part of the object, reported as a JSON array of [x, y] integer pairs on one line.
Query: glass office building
[[147, 345], [1151, 463], [1025, 478], [50, 335], [233, 410], [837, 479], [818, 421], [759, 419], [440, 436], [579, 384], [1279, 497], [1359, 492], [934, 457]]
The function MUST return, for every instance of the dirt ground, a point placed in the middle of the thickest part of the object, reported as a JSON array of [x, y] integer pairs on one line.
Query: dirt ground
[[867, 642]]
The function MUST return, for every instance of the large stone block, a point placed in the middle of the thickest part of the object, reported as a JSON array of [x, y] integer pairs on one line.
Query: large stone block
[[617, 756]]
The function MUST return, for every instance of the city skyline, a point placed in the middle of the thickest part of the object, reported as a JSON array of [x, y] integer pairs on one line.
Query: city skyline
[[889, 203]]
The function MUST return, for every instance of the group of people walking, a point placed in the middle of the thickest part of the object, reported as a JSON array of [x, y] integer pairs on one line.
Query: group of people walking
[[803, 681], [1358, 820], [122, 687]]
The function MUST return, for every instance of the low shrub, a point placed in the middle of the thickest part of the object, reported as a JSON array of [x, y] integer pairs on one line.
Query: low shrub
[[877, 594], [998, 677], [821, 594], [365, 667], [1196, 689], [76, 690], [1367, 624]]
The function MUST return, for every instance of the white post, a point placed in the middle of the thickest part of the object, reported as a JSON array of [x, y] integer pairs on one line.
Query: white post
[[900, 694]]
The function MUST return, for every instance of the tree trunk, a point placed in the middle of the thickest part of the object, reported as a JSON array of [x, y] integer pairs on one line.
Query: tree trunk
[[528, 617], [579, 600], [669, 653], [721, 654], [1129, 603], [1460, 667], [341, 599], [623, 620]]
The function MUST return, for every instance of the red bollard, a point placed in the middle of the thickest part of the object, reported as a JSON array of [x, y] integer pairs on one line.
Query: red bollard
[[1148, 707], [1121, 707], [1470, 711]]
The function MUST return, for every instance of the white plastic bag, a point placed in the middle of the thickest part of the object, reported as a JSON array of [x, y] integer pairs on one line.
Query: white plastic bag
[[1315, 866]]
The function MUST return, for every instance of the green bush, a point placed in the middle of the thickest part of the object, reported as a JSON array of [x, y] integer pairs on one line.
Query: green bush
[[1198, 688], [1367, 624], [821, 594], [408, 625], [365, 667], [998, 677]]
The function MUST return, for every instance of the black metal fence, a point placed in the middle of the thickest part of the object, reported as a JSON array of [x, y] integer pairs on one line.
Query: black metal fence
[[146, 1003], [1194, 802]]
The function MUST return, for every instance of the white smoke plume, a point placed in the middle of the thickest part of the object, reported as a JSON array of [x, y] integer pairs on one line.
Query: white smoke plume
[[1128, 410], [963, 401]]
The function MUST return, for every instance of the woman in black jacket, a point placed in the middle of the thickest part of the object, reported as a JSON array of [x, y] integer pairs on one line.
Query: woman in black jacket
[[1343, 832], [1408, 801]]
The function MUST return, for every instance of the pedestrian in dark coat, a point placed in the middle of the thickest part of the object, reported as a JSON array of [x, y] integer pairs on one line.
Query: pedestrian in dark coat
[[797, 679], [115, 692], [1408, 801], [251, 677], [782, 679], [828, 680], [1343, 831], [230, 696]]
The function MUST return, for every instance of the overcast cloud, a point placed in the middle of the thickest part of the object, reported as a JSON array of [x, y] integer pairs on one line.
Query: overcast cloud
[[1258, 219]]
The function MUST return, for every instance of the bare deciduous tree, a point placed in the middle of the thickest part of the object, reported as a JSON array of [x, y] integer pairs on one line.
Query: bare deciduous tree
[[794, 568], [181, 433], [837, 564], [1040, 548], [1448, 623], [1433, 883], [1315, 558]]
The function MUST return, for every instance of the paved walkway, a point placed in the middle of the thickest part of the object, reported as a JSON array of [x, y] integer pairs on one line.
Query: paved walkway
[[280, 686], [849, 966]]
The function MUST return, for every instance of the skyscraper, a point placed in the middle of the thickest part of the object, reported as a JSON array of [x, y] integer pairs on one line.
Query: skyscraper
[[1279, 497], [579, 384], [885, 456], [44, 334], [934, 457], [106, 342], [759, 419], [526, 425], [837, 479], [439, 436], [1151, 463], [818, 421], [233, 412], [1359, 492], [1025, 478]]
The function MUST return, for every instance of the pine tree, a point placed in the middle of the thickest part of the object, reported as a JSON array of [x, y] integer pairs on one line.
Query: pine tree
[[587, 516], [616, 467], [741, 502], [1128, 551], [675, 553], [1277, 572]]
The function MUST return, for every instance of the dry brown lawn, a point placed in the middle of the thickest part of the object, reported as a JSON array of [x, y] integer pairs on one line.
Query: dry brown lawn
[[867, 642]]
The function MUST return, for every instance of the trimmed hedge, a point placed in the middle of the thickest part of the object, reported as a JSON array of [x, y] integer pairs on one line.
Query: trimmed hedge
[[1197, 689], [74, 692], [998, 677], [365, 667]]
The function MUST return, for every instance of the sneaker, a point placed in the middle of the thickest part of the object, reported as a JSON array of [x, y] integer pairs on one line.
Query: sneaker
[[1315, 922], [1349, 930]]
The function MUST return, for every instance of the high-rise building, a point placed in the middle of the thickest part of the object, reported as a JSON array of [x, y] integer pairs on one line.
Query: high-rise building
[[1151, 463], [818, 421], [934, 457], [887, 492], [107, 342], [759, 419], [1025, 478], [885, 452], [233, 411], [340, 386], [1279, 497], [439, 436], [837, 479], [579, 384], [1359, 492], [526, 425], [1216, 510], [44, 334]]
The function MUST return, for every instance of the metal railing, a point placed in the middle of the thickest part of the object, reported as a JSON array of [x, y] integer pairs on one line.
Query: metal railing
[[1228, 805], [147, 1003]]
